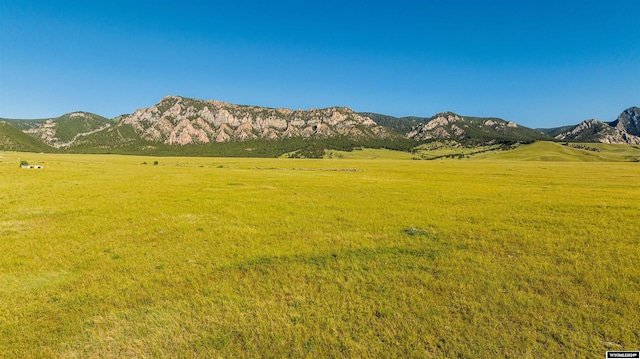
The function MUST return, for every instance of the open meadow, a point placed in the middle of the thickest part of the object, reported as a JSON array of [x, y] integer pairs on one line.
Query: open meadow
[[105, 256]]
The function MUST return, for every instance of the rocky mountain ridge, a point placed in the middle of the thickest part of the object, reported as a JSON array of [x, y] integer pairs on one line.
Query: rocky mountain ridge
[[180, 121], [449, 126], [178, 125], [63, 131], [625, 129]]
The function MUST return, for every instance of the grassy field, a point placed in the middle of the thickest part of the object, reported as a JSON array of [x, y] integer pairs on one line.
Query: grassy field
[[570, 152], [537, 151], [368, 154], [104, 256]]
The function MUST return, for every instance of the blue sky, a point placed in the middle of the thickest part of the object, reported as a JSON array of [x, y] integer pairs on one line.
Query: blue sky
[[538, 63]]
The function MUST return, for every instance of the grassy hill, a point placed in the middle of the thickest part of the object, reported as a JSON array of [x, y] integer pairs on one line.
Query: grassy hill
[[538, 151], [554, 131], [400, 125], [570, 152], [12, 139], [63, 131], [69, 125], [480, 133], [368, 154]]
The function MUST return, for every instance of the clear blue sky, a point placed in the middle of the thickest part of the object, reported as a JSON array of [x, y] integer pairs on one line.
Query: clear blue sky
[[539, 63]]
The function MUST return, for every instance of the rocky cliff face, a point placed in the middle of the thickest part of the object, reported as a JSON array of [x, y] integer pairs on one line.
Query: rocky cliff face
[[180, 121], [624, 130], [629, 121], [441, 126], [449, 126], [63, 131]]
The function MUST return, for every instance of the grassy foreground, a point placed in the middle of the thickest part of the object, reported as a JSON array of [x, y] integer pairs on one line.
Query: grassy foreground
[[103, 256]]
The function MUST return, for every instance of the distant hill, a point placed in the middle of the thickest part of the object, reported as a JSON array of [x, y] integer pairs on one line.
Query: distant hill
[[400, 125], [473, 130], [63, 131], [184, 126], [554, 131], [12, 139], [181, 121], [625, 129], [571, 152], [464, 129]]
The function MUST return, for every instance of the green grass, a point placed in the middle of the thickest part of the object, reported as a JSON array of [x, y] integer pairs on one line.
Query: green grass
[[538, 151], [13, 139], [368, 154], [443, 150], [552, 151], [103, 256], [69, 125]]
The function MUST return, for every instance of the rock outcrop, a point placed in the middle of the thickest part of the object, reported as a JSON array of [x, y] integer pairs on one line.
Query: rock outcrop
[[440, 126], [624, 130], [181, 121], [450, 126], [64, 131], [177, 121]]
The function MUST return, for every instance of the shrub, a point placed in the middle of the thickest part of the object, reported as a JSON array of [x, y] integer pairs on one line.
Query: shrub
[[412, 231]]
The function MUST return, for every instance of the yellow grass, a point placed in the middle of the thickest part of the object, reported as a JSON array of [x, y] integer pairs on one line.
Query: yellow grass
[[368, 154], [573, 152], [103, 256]]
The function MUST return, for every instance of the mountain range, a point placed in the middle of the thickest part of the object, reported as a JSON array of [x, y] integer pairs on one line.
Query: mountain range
[[625, 129], [178, 125]]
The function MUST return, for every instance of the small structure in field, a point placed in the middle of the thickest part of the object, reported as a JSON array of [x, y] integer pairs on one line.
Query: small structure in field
[[25, 164]]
